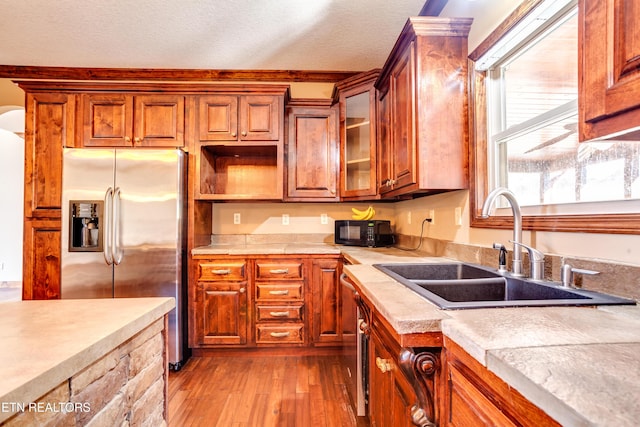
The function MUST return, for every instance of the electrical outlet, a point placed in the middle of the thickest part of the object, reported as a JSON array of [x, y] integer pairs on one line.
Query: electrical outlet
[[458, 216], [285, 219], [409, 217], [236, 218], [432, 215], [324, 219]]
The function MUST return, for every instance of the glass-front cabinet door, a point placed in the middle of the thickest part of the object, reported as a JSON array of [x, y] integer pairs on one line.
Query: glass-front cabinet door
[[358, 136]]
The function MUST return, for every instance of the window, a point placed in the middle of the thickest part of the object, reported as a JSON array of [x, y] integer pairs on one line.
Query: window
[[527, 141]]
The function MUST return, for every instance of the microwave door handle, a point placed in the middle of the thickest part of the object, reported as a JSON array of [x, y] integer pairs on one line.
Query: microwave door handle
[[107, 227], [116, 249]]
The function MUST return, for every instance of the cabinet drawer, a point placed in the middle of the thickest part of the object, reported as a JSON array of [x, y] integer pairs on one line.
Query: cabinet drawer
[[279, 333], [279, 312], [278, 269], [213, 271], [278, 291]]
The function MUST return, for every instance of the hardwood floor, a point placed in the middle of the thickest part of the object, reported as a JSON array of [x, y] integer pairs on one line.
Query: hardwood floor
[[296, 391]]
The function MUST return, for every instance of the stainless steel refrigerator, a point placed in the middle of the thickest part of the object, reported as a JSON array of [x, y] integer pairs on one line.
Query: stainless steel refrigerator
[[124, 229]]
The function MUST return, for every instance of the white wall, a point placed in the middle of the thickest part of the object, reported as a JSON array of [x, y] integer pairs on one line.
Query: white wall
[[11, 206]]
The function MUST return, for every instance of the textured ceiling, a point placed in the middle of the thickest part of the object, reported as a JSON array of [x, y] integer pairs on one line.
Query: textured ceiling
[[345, 35]]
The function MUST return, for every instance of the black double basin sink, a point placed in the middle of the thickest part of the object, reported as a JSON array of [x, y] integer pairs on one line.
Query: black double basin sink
[[453, 286]]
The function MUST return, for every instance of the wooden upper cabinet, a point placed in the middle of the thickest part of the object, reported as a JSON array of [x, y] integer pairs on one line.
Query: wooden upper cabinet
[[312, 152], [50, 119], [356, 98], [422, 90], [126, 120], [240, 117], [609, 69], [403, 110]]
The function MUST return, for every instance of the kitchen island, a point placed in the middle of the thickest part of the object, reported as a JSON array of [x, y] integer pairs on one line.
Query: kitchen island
[[71, 362]]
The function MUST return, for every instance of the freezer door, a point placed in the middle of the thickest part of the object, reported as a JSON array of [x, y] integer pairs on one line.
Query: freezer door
[[86, 175], [149, 230]]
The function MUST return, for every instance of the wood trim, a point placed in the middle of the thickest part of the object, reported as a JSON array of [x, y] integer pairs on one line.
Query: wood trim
[[501, 30], [478, 185], [167, 74]]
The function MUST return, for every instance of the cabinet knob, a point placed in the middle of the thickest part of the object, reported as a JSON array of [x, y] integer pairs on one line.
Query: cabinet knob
[[137, 140], [127, 139], [233, 134], [419, 417], [384, 365], [242, 290], [244, 133]]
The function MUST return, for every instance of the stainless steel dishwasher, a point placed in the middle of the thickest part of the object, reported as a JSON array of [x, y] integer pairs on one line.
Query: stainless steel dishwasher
[[358, 361]]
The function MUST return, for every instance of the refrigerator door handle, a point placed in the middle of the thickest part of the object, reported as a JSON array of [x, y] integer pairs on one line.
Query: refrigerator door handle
[[107, 232], [117, 250]]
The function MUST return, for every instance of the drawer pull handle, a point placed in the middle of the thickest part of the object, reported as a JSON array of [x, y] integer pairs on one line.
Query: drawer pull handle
[[221, 272], [279, 313], [279, 271], [280, 334], [383, 364], [282, 292]]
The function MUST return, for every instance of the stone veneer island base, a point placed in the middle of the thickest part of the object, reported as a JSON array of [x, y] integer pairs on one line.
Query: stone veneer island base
[[84, 362]]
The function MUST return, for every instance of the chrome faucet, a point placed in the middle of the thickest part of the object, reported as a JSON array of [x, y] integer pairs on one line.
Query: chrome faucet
[[517, 224], [536, 261]]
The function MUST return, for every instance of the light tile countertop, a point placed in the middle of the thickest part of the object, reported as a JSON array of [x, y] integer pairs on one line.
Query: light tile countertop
[[581, 365], [46, 342]]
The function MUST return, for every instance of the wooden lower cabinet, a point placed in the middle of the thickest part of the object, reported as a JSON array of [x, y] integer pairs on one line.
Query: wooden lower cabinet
[[222, 301], [334, 314], [280, 301], [42, 255], [476, 397], [225, 318], [268, 301], [390, 396], [405, 382]]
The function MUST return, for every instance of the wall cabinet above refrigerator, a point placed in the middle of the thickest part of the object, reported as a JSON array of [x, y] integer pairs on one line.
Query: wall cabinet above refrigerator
[[125, 120]]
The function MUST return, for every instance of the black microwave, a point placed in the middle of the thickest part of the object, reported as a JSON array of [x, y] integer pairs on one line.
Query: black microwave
[[364, 233]]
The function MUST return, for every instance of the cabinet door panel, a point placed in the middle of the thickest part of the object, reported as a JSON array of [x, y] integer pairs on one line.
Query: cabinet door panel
[[403, 126], [224, 313], [260, 118], [107, 120], [609, 67], [469, 407], [218, 118], [42, 252], [326, 289], [313, 154], [49, 128], [159, 121], [385, 150]]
